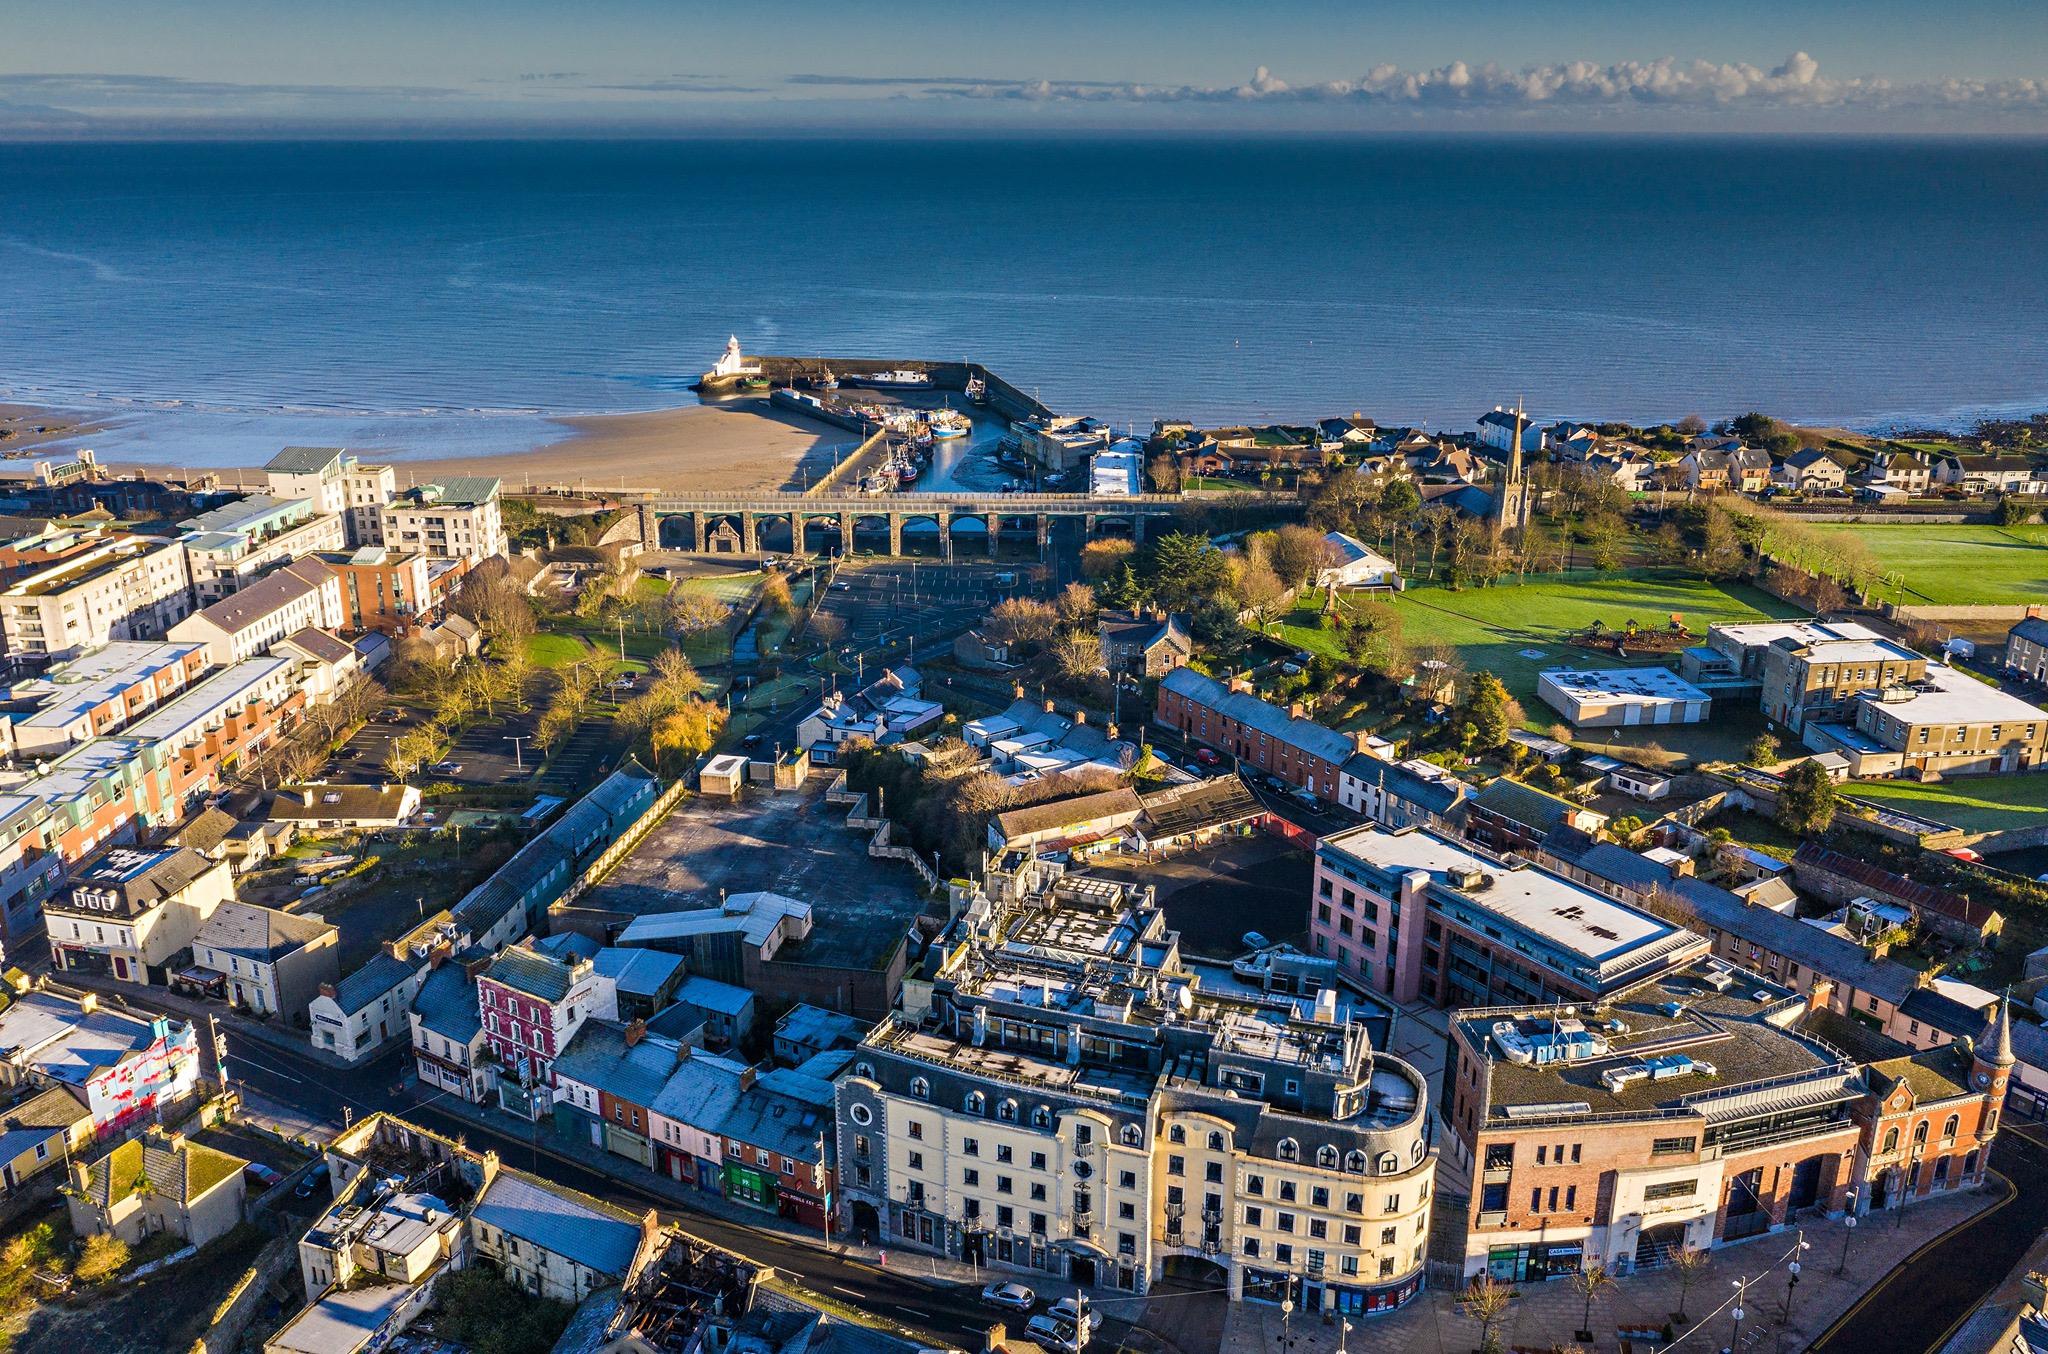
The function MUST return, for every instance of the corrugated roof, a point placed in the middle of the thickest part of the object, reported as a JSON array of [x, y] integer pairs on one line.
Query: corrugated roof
[[560, 1221], [599, 815], [1064, 812], [639, 973], [1911, 892]]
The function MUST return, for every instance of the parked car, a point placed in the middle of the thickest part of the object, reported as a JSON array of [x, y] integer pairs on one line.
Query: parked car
[[448, 768], [261, 1175], [1069, 1310], [1053, 1334], [1306, 798], [1011, 1297], [312, 1182], [1208, 756]]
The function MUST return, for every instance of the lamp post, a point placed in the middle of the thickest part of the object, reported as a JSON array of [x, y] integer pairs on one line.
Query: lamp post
[[1735, 1336], [1287, 1322], [1791, 1286], [1848, 1231]]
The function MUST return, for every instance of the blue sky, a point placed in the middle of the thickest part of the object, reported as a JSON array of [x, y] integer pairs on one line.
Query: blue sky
[[118, 67]]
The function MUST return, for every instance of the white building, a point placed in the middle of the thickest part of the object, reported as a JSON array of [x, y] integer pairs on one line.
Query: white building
[[336, 483], [130, 912], [301, 595], [230, 547], [1356, 565], [93, 590], [1497, 428], [1605, 698], [456, 518]]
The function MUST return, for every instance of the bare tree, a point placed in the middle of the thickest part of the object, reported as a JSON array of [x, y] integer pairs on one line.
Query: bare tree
[[1689, 1263], [1486, 1300]]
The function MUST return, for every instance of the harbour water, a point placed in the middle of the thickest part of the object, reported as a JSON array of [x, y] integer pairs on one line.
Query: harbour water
[[453, 298]]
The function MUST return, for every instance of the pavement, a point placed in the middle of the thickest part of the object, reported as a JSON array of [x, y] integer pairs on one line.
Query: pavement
[[1547, 1315]]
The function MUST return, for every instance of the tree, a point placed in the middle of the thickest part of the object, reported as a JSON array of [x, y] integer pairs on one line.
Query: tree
[[1400, 499], [1076, 606], [1625, 829], [1022, 622], [1589, 1283], [1486, 1300], [1105, 558], [689, 611], [1689, 1263], [1807, 799], [775, 598], [2013, 511], [104, 1256], [1186, 568], [1260, 589], [1486, 713], [1299, 554], [1721, 552], [303, 760], [1079, 654], [688, 733], [1763, 750], [1692, 425], [827, 629]]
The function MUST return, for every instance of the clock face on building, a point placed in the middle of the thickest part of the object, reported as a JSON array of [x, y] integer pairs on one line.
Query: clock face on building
[[1983, 1080]]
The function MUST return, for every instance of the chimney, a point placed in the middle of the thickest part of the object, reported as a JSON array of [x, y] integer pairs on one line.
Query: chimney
[[1080, 716], [1109, 731], [1048, 705], [1296, 710], [1017, 691], [1239, 684], [635, 1032], [81, 1175], [327, 991], [308, 795], [747, 1079], [996, 1340]]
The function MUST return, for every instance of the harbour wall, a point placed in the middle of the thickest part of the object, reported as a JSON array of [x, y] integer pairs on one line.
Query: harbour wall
[[1003, 397]]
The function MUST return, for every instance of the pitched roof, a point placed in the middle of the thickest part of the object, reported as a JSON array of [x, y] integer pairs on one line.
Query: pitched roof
[[171, 1168], [609, 1056], [1066, 812], [598, 816], [1925, 897], [1199, 805], [321, 645], [1525, 804], [537, 975], [457, 491], [2034, 628], [708, 994], [560, 1221], [383, 973], [268, 594], [1822, 951], [1304, 734], [259, 933], [1398, 782], [640, 973], [208, 830], [700, 1092], [347, 803], [446, 1004]]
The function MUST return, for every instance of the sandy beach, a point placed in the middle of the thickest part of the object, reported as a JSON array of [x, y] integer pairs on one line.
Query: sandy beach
[[24, 427], [731, 446]]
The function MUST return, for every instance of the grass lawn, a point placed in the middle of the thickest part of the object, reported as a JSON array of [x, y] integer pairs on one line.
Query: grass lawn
[[553, 651], [733, 588], [1958, 564], [1496, 629], [1972, 803], [1210, 482]]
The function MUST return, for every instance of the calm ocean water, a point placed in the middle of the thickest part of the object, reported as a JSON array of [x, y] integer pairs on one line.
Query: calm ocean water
[[440, 297]]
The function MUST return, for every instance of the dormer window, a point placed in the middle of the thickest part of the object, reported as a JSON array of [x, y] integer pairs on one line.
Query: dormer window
[[1326, 1157], [977, 1103], [1390, 1163], [1130, 1134], [864, 1070], [1289, 1150], [1007, 1111], [920, 1088], [1041, 1117], [1215, 1142], [1354, 1161]]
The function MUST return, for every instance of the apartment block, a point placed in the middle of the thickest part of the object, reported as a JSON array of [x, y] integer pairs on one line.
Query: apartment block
[[1081, 1102], [455, 518], [1818, 680], [230, 547], [1704, 1106], [86, 590], [95, 695], [303, 594], [387, 591], [337, 484], [1411, 914]]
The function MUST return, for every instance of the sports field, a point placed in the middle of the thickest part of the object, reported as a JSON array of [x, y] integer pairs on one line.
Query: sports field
[[1515, 630], [1972, 803], [1955, 563]]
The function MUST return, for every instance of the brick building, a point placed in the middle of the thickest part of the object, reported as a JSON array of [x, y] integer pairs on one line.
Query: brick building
[[1261, 735]]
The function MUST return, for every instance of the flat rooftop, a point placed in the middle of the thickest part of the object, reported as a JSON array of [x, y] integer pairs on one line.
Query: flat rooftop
[[792, 843], [1952, 697], [74, 689], [204, 699], [1636, 686], [1804, 632], [1559, 911], [1715, 1028]]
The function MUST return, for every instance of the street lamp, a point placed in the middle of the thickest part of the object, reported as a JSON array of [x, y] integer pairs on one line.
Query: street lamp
[[1792, 1286], [1735, 1336], [1287, 1321], [1848, 1230]]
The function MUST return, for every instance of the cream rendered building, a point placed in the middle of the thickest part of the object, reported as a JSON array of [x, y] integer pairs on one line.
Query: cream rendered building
[[1082, 1103]]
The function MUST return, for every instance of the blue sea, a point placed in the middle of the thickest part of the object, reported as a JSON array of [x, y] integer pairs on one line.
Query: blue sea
[[223, 299]]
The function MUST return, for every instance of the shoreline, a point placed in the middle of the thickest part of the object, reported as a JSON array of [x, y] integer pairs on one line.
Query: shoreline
[[728, 447]]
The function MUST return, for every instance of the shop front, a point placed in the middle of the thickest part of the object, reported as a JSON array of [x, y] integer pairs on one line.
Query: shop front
[[744, 1184], [1534, 1261]]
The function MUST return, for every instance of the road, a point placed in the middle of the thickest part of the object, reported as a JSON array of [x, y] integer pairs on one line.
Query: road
[[317, 1094], [1919, 1304]]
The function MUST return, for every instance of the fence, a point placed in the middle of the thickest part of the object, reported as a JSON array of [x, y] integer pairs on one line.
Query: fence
[[608, 859]]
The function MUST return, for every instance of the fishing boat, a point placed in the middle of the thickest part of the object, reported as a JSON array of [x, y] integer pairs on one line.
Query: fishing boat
[[977, 390], [947, 423], [898, 378], [827, 381]]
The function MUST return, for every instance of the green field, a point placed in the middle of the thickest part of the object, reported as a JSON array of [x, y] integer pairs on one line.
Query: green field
[[1956, 564], [1972, 803], [1492, 627], [554, 651]]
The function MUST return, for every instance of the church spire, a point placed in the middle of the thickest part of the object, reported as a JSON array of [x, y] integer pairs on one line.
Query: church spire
[[1994, 1046]]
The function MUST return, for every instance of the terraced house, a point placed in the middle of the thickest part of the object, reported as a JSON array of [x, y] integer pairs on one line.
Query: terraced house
[[1080, 1102]]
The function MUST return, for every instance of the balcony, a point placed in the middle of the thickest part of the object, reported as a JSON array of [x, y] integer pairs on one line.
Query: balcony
[[1493, 1218]]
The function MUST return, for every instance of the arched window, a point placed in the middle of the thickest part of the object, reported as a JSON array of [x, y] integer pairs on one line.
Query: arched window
[[920, 1088], [1390, 1163], [1131, 1134], [977, 1103], [1215, 1142], [1289, 1149], [1326, 1157], [1177, 1134], [1007, 1111], [1920, 1134], [1041, 1117], [1948, 1129], [1354, 1160], [1891, 1140]]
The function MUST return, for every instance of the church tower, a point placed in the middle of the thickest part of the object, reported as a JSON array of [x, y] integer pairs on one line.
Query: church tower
[[1512, 506], [1991, 1063]]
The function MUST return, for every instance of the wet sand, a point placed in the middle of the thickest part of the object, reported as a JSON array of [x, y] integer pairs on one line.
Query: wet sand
[[728, 447], [19, 424]]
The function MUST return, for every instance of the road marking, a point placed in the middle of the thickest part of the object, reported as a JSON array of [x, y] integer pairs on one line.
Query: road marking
[[274, 1071], [838, 1289], [911, 1313]]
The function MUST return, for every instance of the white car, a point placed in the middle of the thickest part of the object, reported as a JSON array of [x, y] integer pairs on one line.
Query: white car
[[1053, 1334], [1011, 1297]]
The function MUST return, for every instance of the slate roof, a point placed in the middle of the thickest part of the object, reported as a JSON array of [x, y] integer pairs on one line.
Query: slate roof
[[597, 817], [783, 1112], [39, 1119], [1524, 804], [1261, 716], [1182, 809], [208, 830], [590, 1232], [184, 1172], [259, 933], [161, 879], [525, 970], [638, 973], [1822, 951], [317, 642], [383, 973], [1397, 781], [700, 1092], [708, 994], [599, 1055], [446, 1005], [267, 594], [345, 803], [2033, 628], [303, 460]]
